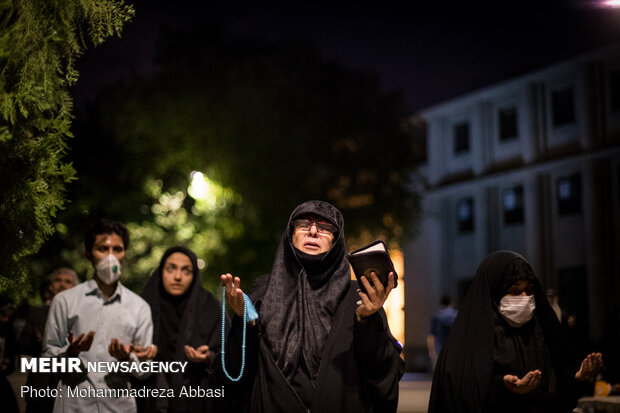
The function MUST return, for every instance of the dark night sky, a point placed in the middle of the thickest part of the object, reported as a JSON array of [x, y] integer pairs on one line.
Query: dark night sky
[[432, 54]]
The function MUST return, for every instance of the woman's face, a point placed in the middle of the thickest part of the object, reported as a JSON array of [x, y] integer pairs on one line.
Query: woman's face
[[178, 274], [521, 287], [313, 234]]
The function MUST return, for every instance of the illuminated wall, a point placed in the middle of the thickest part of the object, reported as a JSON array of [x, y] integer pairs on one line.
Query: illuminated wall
[[394, 306]]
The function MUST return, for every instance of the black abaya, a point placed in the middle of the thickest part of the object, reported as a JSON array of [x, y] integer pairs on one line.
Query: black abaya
[[308, 352], [192, 319], [482, 348]]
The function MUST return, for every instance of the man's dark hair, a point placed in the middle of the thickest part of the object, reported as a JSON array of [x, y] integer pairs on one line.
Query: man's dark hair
[[446, 300], [7, 307], [105, 226]]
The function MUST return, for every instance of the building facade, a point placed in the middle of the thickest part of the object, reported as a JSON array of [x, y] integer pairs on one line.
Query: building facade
[[532, 165]]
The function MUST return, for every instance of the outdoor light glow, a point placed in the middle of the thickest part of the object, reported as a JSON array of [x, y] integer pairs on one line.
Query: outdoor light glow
[[611, 3], [394, 305], [199, 187], [209, 194]]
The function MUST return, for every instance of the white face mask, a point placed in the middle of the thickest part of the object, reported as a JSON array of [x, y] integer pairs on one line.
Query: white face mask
[[517, 310], [108, 269]]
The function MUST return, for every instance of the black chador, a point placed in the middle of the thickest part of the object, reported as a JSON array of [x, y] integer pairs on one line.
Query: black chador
[[193, 319], [308, 352], [482, 348]]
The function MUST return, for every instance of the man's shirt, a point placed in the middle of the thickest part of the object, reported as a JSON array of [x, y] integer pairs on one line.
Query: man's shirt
[[124, 316], [440, 326]]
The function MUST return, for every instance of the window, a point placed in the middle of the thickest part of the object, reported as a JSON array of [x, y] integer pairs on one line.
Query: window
[[512, 203], [507, 124], [614, 90], [465, 215], [569, 195], [563, 106], [461, 138]]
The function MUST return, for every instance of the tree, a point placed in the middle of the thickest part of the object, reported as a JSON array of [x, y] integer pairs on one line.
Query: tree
[[268, 125], [39, 43]]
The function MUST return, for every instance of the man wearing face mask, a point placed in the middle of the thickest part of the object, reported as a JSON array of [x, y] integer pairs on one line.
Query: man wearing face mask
[[100, 321]]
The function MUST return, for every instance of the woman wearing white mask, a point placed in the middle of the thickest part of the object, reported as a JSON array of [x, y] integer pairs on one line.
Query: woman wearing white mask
[[507, 352]]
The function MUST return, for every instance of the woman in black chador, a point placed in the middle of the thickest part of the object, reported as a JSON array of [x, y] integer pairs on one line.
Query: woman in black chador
[[186, 327], [318, 344], [507, 351]]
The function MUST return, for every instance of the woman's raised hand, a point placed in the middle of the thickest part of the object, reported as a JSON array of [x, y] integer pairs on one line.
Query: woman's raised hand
[[234, 294]]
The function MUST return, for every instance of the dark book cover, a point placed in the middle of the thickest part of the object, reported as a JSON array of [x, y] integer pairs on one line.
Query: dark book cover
[[372, 257]]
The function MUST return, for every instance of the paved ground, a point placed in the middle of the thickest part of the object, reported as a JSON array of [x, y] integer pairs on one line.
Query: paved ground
[[414, 391]]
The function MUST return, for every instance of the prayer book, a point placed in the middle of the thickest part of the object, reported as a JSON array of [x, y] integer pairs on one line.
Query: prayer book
[[372, 258]]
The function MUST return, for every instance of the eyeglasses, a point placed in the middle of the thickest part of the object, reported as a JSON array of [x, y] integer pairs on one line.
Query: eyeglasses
[[323, 227]]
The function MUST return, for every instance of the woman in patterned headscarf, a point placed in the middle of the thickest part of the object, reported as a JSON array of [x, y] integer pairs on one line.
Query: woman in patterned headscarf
[[316, 345]]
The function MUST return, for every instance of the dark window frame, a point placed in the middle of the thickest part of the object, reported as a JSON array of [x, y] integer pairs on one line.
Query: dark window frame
[[563, 106], [569, 195], [508, 124], [465, 224], [515, 214], [461, 138]]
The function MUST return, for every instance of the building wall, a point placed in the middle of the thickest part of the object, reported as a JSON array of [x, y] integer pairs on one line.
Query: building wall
[[547, 145]]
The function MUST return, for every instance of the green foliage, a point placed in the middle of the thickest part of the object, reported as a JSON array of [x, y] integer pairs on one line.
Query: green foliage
[[270, 126], [39, 43]]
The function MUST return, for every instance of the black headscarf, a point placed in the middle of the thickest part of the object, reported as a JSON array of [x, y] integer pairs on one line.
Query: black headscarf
[[481, 345], [191, 319], [302, 295]]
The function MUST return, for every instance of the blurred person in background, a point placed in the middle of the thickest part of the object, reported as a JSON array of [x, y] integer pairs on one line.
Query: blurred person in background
[[576, 334], [552, 297], [31, 339], [440, 328]]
